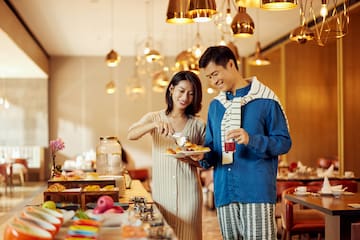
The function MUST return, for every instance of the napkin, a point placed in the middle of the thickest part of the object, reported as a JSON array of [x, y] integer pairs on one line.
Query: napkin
[[329, 172], [326, 187], [301, 167]]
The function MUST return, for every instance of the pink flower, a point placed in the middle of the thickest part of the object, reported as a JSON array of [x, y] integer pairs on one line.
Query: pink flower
[[56, 145]]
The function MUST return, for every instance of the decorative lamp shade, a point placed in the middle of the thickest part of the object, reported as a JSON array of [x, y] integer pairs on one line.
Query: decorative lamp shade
[[110, 87], [248, 3], [152, 56], [302, 34], [202, 10], [112, 58], [186, 61], [178, 12], [160, 79], [258, 59], [242, 24], [278, 4]]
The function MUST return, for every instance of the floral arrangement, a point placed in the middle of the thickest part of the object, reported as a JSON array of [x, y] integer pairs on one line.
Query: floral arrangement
[[55, 146]]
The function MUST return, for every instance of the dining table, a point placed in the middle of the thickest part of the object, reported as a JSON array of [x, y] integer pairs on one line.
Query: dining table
[[340, 212]]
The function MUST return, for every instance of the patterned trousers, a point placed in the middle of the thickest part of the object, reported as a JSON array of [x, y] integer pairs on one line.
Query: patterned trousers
[[247, 221]]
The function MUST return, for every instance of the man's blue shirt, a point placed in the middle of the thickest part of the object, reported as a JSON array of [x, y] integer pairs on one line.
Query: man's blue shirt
[[251, 178]]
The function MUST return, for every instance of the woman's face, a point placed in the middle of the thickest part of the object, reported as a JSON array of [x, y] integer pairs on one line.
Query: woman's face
[[182, 94]]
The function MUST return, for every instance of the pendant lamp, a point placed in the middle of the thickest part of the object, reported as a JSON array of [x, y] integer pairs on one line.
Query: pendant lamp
[[112, 58], [258, 59], [110, 87], [242, 24], [186, 61], [178, 12], [278, 4], [202, 10], [302, 34], [248, 3]]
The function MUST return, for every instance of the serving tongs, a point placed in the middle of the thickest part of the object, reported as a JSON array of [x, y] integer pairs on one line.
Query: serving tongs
[[180, 139]]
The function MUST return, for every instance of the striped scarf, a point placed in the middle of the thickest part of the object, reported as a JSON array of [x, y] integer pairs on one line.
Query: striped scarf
[[232, 115]]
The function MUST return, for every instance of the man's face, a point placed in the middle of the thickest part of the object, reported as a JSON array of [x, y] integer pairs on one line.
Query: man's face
[[219, 76]]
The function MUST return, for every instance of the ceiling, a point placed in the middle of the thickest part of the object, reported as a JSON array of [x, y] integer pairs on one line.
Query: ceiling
[[93, 27]]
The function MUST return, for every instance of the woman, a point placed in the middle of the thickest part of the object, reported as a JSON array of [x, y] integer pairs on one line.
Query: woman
[[176, 186]]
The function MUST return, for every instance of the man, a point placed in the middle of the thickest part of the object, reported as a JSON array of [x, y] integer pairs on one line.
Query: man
[[248, 113]]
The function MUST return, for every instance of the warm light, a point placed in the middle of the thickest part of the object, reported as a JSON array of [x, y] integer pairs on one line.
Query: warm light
[[248, 3], [210, 90], [110, 87], [228, 18], [301, 35], [1, 100], [222, 42], [137, 90], [323, 10], [6, 104], [161, 79], [177, 12], [202, 10], [112, 59], [152, 56], [186, 61], [278, 4], [258, 59], [197, 51]]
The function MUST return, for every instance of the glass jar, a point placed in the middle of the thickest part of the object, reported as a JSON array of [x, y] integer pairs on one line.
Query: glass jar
[[108, 157]]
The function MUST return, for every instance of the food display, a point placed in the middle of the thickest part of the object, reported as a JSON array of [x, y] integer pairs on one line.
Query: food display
[[56, 187], [80, 195], [188, 149]]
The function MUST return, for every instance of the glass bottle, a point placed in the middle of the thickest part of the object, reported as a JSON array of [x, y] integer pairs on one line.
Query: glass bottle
[[108, 156]]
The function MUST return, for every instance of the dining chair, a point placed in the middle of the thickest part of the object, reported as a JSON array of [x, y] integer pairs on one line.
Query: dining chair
[[20, 169], [5, 176], [280, 187], [355, 231], [300, 221]]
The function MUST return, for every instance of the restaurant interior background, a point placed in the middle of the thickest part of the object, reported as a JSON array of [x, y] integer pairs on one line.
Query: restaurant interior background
[[318, 86]]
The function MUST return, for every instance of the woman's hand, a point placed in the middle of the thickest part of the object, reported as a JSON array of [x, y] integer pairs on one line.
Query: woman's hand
[[190, 161], [164, 128]]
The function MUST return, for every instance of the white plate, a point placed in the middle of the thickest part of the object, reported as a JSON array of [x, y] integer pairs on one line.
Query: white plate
[[354, 205], [326, 193], [67, 215], [301, 193], [186, 153]]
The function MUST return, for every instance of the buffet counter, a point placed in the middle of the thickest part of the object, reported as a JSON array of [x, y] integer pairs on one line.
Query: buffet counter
[[141, 209]]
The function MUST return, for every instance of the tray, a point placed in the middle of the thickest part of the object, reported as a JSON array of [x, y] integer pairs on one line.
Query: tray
[[83, 182], [79, 197]]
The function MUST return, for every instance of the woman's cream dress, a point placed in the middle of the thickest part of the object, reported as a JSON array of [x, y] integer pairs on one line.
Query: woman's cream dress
[[176, 187]]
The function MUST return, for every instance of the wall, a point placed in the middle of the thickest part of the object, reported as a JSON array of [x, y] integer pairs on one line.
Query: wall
[[25, 123], [310, 88], [351, 68]]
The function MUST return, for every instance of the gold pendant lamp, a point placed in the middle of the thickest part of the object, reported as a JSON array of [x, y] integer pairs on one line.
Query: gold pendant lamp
[[302, 34], [178, 12], [112, 58], [258, 59], [202, 10], [278, 4], [242, 25]]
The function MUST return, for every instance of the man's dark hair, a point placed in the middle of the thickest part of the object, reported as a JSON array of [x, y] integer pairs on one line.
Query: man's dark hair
[[220, 55]]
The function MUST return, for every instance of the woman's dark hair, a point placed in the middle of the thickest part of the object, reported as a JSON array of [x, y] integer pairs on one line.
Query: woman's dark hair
[[195, 106], [220, 55]]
